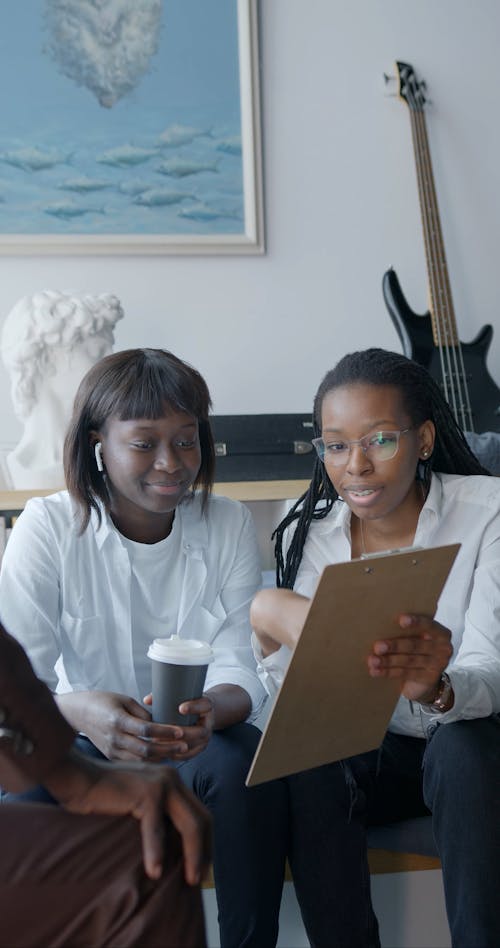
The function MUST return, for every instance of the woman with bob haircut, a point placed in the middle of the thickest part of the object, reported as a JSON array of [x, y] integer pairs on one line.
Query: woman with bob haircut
[[139, 548], [394, 470]]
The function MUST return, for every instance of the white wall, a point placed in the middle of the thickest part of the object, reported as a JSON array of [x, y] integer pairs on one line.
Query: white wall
[[397, 899], [341, 207]]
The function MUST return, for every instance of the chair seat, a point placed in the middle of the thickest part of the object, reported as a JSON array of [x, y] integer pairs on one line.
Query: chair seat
[[407, 836]]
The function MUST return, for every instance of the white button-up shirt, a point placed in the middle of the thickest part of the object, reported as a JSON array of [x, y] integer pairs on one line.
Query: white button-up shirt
[[458, 509], [69, 596]]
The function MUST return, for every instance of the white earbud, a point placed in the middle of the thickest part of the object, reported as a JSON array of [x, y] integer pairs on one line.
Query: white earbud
[[98, 456]]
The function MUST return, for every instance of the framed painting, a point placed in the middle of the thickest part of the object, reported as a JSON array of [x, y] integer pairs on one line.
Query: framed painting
[[130, 126]]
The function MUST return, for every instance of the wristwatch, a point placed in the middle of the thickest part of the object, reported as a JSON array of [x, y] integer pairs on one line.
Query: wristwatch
[[440, 703]]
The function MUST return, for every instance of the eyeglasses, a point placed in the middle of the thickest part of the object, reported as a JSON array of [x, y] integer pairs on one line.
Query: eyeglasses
[[381, 446]]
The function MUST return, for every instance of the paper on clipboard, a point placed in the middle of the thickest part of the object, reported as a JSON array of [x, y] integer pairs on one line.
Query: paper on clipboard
[[328, 706]]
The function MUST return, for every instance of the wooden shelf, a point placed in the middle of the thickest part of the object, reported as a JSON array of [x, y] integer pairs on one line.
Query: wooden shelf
[[237, 490], [17, 499], [261, 490]]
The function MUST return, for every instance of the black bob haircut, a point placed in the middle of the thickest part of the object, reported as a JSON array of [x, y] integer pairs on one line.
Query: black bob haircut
[[133, 383]]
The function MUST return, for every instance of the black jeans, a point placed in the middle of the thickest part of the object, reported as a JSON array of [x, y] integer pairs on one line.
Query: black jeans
[[250, 836], [456, 776]]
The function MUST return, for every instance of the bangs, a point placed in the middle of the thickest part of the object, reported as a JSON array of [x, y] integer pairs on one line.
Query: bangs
[[149, 382]]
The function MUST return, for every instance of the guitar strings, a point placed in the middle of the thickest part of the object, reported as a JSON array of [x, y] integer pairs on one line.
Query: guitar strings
[[453, 348], [436, 289], [450, 350], [427, 229]]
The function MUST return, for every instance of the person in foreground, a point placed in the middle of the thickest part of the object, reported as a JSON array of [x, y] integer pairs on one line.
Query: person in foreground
[[71, 879], [132, 552], [394, 470]]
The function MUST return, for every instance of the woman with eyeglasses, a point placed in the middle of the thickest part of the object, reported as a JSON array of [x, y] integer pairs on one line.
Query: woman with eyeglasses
[[394, 470]]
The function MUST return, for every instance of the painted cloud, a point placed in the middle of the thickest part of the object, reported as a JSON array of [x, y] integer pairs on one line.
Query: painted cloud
[[104, 45]]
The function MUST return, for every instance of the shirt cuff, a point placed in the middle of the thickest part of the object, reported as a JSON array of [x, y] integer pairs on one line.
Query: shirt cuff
[[472, 697], [271, 668], [246, 679]]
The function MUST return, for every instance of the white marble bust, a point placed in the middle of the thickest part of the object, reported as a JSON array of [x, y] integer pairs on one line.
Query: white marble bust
[[48, 342]]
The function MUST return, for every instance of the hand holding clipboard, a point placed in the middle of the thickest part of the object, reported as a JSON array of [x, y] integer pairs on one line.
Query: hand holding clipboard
[[356, 604]]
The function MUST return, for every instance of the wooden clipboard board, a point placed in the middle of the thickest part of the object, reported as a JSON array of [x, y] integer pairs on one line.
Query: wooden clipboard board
[[328, 706]]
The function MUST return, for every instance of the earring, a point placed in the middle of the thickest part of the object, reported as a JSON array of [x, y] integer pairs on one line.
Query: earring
[[98, 456], [425, 453]]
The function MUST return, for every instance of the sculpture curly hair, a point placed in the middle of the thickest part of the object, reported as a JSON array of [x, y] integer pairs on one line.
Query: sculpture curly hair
[[40, 325]]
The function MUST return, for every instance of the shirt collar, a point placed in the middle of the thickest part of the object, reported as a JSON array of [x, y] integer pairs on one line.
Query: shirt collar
[[435, 497], [194, 528], [103, 529], [339, 517]]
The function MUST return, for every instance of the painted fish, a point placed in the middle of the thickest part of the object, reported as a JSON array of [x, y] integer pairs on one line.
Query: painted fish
[[66, 210], [126, 155], [230, 146], [182, 168], [176, 135], [160, 197], [203, 212], [83, 185], [33, 159]]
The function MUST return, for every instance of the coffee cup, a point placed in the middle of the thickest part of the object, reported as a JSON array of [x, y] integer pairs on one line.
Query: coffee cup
[[179, 668]]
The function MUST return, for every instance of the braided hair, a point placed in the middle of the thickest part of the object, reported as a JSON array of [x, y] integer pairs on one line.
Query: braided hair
[[423, 401]]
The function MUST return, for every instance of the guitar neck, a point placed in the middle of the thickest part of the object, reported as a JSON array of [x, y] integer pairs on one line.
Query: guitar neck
[[441, 304], [444, 326]]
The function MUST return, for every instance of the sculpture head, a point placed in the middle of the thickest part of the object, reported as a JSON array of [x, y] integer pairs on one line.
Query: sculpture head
[[46, 331]]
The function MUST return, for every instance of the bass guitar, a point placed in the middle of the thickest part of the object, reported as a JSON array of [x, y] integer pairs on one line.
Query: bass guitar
[[432, 338]]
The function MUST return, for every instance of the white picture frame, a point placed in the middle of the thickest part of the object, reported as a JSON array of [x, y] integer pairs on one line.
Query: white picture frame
[[59, 221]]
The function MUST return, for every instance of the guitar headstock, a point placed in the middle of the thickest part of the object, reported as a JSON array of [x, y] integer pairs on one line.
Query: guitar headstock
[[410, 90]]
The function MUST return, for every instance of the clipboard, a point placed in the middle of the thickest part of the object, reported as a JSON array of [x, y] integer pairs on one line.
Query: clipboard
[[328, 706]]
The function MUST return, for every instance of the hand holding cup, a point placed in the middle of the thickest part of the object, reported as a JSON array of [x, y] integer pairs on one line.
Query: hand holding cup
[[179, 668]]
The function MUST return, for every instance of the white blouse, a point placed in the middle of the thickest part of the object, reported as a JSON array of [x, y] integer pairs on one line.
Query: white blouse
[[79, 597], [458, 509]]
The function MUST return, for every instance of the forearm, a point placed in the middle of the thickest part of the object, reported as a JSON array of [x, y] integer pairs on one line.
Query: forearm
[[231, 704], [277, 617], [72, 778]]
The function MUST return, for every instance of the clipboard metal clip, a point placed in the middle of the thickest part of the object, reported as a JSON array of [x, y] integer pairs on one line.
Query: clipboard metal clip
[[402, 549]]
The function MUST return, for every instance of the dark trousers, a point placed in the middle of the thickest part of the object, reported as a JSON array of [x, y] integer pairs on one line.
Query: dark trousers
[[250, 836], [71, 880], [250, 833], [456, 776]]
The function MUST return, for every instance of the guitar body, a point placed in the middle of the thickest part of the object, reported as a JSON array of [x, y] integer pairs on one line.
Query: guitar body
[[415, 333]]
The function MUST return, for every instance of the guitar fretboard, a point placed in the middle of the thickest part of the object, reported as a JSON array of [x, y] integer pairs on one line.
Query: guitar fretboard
[[444, 326]]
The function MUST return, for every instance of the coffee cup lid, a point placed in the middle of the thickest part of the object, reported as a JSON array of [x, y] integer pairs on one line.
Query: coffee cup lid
[[178, 651]]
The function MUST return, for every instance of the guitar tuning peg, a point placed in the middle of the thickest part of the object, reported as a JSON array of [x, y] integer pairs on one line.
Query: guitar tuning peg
[[389, 86], [389, 81]]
